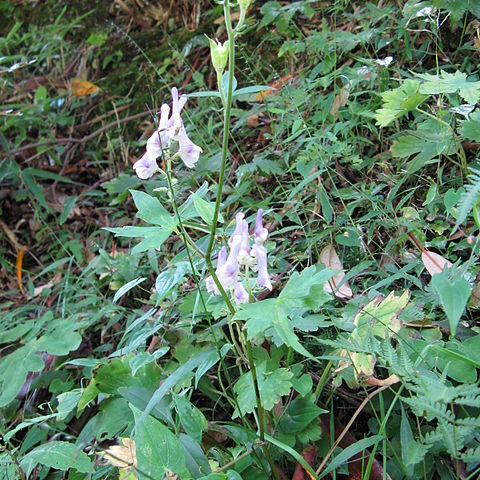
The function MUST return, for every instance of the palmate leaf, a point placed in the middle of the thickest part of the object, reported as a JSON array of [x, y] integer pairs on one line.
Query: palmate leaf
[[272, 385], [151, 211], [450, 83], [470, 128], [271, 317], [428, 142], [398, 102]]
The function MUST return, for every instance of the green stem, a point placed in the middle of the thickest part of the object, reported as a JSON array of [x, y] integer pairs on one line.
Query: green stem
[[257, 391], [226, 132]]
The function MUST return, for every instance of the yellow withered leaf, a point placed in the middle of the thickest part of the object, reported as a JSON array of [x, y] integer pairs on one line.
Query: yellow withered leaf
[[81, 88]]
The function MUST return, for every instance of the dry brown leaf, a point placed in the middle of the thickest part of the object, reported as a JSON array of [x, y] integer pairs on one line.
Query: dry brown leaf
[[252, 121], [221, 20], [391, 380], [434, 262], [10, 235], [122, 455], [276, 85], [83, 87], [475, 297], [340, 100], [329, 258]]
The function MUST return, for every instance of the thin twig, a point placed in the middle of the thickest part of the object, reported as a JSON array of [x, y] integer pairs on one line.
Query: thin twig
[[349, 424]]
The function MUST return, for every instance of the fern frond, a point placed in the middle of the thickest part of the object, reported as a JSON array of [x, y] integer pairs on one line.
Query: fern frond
[[472, 455], [422, 406], [470, 401], [469, 198], [473, 422]]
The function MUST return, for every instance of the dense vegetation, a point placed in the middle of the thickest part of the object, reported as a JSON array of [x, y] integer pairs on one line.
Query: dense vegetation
[[285, 284]]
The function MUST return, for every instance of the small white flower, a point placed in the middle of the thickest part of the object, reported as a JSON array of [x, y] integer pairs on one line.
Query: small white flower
[[385, 62]]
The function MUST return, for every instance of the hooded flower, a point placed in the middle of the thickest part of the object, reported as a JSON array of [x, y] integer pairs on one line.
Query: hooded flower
[[169, 129], [211, 286], [239, 293], [147, 165], [188, 151], [260, 254], [261, 233], [228, 267]]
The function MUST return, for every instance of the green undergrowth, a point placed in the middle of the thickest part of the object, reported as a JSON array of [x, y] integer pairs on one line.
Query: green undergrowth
[[357, 133]]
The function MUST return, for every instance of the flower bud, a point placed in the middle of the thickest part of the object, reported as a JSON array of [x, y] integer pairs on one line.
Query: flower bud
[[244, 4], [219, 54]]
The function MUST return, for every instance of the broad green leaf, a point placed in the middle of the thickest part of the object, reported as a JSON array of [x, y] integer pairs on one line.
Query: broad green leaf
[[68, 207], [113, 419], [311, 323], [260, 317], [205, 359], [67, 402], [154, 237], [14, 367], [151, 210], [60, 455], [271, 317], [205, 209], [299, 414], [398, 102], [454, 295], [450, 83], [196, 461], [284, 330], [431, 140], [192, 419], [158, 450], [168, 279], [272, 385], [127, 287], [470, 128]]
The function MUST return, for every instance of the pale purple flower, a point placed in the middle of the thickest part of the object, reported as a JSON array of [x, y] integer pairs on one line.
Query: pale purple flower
[[240, 254], [145, 167], [260, 254], [188, 151], [261, 233], [168, 129], [175, 123], [239, 293], [210, 283]]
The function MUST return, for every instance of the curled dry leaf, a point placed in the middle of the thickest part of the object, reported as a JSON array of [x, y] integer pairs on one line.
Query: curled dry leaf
[[434, 263], [329, 258], [391, 380], [340, 100]]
